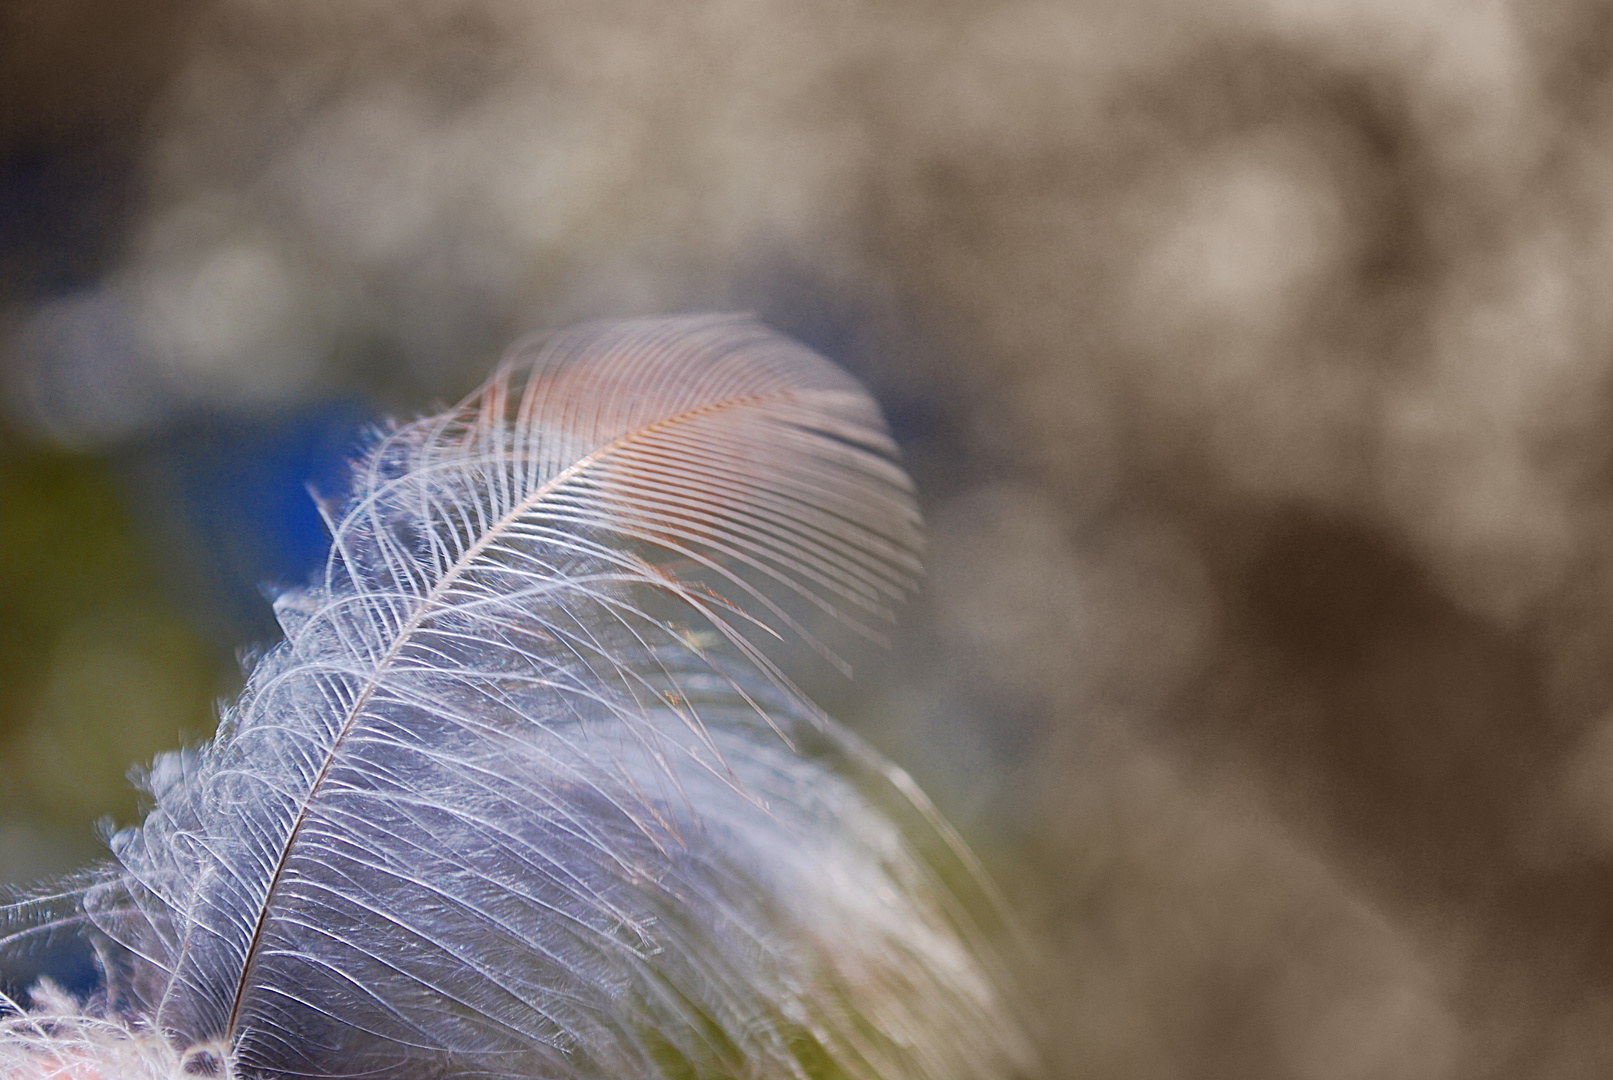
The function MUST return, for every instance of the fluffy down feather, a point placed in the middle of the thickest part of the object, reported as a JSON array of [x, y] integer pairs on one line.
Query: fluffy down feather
[[527, 792]]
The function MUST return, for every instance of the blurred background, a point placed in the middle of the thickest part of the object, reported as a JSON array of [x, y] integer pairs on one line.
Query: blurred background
[[1252, 358]]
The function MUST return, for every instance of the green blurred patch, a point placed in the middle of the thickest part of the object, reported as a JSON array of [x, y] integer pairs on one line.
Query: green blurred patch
[[98, 671]]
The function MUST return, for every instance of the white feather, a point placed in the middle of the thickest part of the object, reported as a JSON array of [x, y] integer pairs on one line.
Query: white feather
[[525, 792]]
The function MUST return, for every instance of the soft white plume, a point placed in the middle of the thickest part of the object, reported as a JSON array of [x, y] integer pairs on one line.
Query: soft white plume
[[527, 791]]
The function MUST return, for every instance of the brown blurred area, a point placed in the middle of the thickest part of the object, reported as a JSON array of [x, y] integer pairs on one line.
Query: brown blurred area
[[1252, 359]]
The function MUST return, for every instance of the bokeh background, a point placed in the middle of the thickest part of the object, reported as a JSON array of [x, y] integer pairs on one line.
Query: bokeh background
[[1253, 358]]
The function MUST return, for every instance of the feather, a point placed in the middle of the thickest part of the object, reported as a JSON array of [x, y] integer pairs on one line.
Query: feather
[[528, 789]]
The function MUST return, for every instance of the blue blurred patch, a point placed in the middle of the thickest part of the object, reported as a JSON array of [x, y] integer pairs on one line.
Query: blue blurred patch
[[68, 960], [226, 501]]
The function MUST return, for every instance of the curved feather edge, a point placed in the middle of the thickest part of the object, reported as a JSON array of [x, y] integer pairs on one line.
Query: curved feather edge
[[527, 789]]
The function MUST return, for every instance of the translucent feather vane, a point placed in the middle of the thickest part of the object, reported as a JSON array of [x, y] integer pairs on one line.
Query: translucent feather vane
[[528, 789]]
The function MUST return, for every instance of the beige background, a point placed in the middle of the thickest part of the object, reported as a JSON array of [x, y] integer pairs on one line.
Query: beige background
[[1254, 360]]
